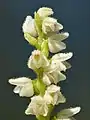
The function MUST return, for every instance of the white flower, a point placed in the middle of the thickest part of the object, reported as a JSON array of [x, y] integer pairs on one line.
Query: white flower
[[57, 96], [53, 77], [67, 114], [55, 42], [29, 26], [38, 105], [45, 12], [50, 25], [24, 86], [37, 60], [52, 73], [59, 58]]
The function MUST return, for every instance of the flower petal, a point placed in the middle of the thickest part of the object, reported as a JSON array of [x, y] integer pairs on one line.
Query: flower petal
[[17, 89], [45, 11], [61, 98], [61, 76], [19, 81], [56, 46], [37, 60], [46, 79], [27, 90], [29, 26], [59, 37], [62, 56], [52, 89], [68, 112]]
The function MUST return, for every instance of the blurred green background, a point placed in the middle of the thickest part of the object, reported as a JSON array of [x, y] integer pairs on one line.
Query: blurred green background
[[14, 53]]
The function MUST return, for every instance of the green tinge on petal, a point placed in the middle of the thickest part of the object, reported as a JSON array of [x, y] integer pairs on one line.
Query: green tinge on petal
[[61, 98], [61, 76], [67, 64], [66, 113]]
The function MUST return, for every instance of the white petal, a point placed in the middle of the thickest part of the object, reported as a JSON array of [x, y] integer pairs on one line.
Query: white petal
[[37, 60], [61, 76], [19, 81], [52, 89], [62, 56], [27, 90], [59, 26], [17, 89], [68, 112], [46, 79], [51, 25], [45, 11], [59, 65], [47, 97], [61, 98], [29, 110], [59, 37], [56, 46], [29, 26]]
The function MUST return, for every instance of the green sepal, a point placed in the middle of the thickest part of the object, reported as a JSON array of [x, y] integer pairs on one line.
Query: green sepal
[[38, 23], [44, 48]]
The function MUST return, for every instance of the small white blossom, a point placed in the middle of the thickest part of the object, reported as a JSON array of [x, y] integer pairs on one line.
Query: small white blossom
[[52, 73], [24, 86], [55, 42], [57, 96], [29, 26], [45, 12], [37, 60], [38, 105], [50, 25], [67, 114], [53, 77], [59, 58]]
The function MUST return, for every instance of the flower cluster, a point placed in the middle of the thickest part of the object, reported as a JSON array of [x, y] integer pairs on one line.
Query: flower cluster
[[43, 32]]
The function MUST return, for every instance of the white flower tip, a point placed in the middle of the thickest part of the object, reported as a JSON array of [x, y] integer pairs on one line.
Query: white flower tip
[[70, 54], [27, 112], [66, 34], [75, 110], [11, 81], [45, 11]]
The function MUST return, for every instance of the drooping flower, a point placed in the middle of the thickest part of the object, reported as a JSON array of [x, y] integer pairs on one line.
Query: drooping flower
[[45, 12], [50, 25], [67, 114], [37, 60], [24, 86], [57, 96], [38, 105], [29, 26], [52, 73], [55, 42]]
